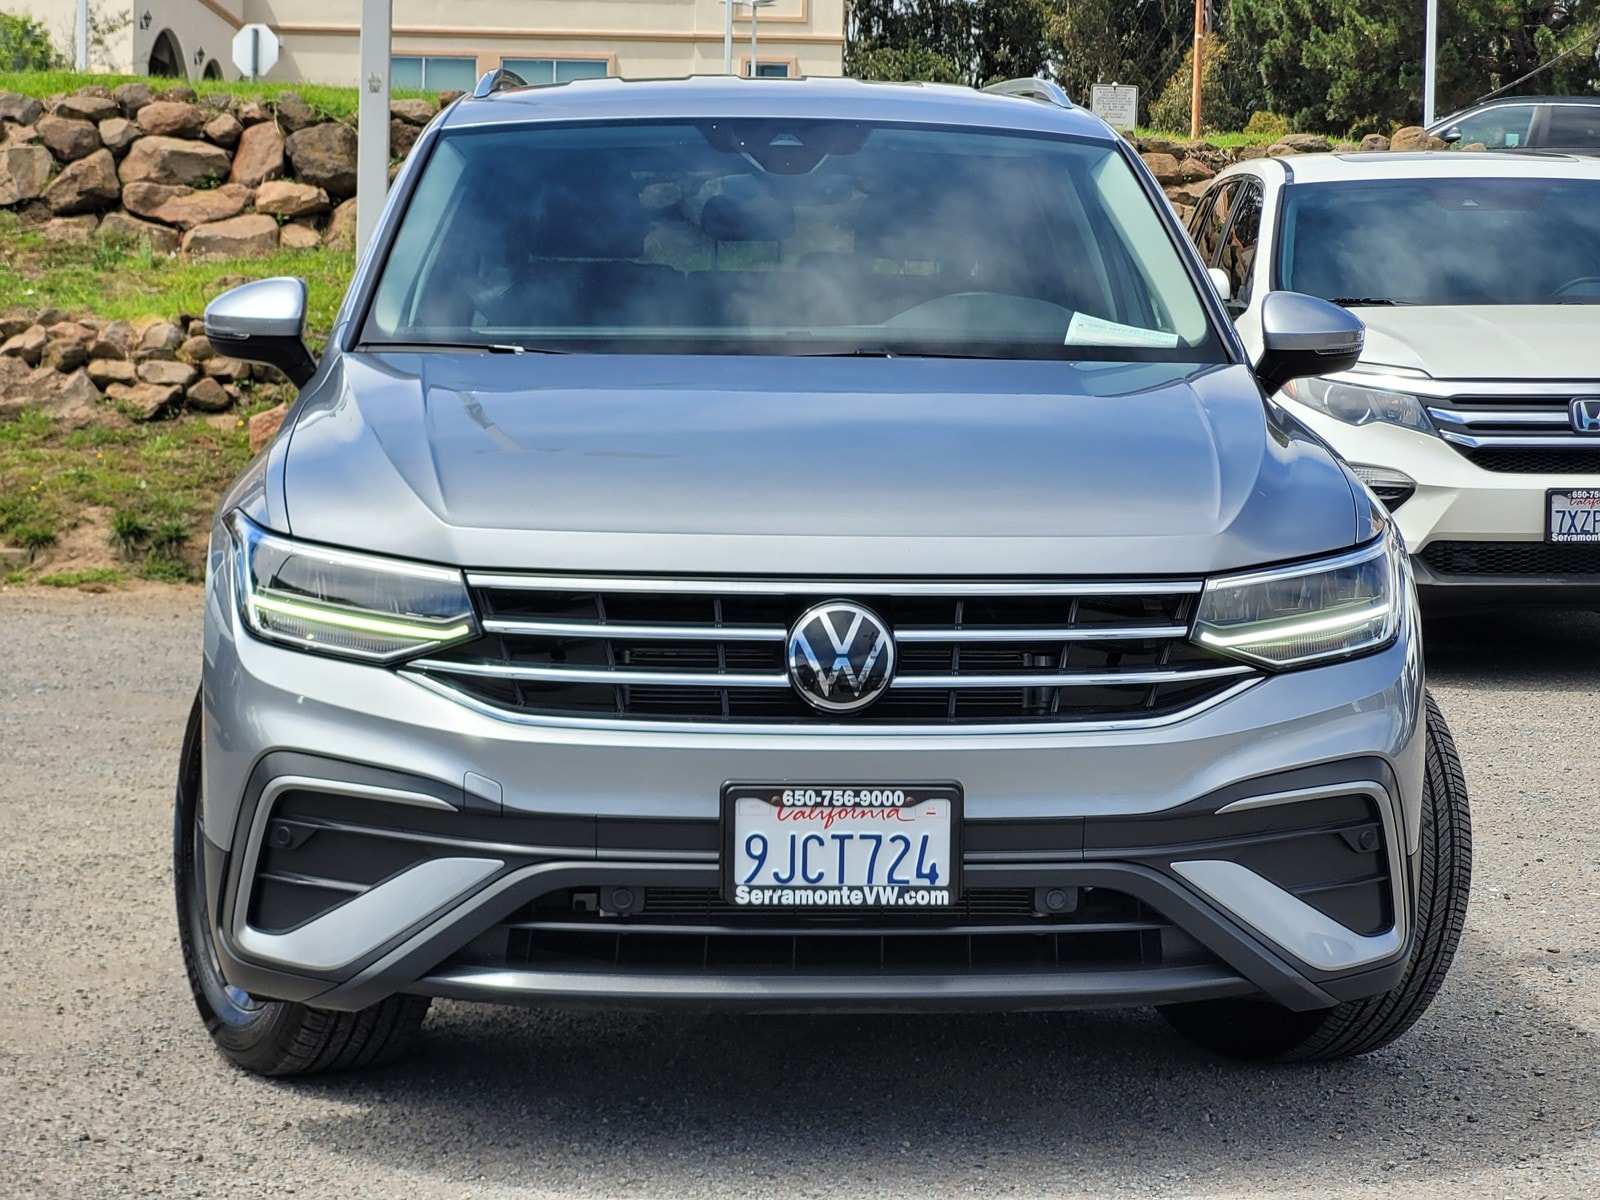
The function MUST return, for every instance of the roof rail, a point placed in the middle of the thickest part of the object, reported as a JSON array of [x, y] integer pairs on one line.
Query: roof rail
[[1042, 90], [497, 80]]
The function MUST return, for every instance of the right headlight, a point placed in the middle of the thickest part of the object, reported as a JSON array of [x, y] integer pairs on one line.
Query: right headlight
[[1357, 404], [343, 603], [1309, 612]]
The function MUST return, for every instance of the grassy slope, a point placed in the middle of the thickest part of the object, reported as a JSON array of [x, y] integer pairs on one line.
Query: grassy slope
[[137, 495], [337, 102], [122, 280]]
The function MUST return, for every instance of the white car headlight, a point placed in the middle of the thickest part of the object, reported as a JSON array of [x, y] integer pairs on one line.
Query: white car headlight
[[1307, 613], [1358, 404], [337, 602]]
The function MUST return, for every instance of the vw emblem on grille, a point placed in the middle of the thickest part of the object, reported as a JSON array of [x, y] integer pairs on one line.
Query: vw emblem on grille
[[1585, 412], [841, 656]]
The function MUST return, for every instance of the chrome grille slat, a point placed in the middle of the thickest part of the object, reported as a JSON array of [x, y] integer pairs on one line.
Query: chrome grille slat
[[991, 654], [832, 587], [979, 633], [1071, 679], [618, 675], [1519, 428], [686, 633]]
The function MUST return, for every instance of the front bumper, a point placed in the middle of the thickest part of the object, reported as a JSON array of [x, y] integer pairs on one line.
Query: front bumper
[[1460, 513], [371, 836]]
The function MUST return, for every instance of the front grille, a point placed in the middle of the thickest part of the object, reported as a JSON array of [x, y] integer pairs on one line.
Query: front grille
[[1518, 433], [1578, 459], [1513, 558], [690, 651], [988, 930]]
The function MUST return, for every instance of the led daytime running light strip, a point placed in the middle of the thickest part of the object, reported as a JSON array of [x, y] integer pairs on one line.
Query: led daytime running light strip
[[1328, 624], [360, 624]]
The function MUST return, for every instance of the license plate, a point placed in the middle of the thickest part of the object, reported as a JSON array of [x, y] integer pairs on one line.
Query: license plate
[[841, 845], [1573, 515]]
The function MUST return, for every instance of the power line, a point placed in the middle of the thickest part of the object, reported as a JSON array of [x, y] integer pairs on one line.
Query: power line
[[1572, 49]]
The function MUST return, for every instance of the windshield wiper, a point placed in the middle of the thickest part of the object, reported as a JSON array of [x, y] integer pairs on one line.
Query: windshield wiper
[[1368, 301], [484, 347]]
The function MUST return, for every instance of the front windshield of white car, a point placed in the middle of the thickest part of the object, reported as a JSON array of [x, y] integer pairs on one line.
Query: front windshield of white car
[[787, 237], [1443, 241]]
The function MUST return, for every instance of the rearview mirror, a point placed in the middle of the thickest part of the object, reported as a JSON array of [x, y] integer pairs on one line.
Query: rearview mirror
[[264, 322], [1452, 135], [1220, 281], [1302, 335]]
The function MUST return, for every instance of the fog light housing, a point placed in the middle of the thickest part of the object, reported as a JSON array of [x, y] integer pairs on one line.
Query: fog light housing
[[1392, 487]]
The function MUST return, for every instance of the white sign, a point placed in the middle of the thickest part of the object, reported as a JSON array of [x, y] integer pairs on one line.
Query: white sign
[[1117, 104], [255, 51]]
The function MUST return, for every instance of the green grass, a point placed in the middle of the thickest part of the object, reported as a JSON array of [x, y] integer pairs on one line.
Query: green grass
[[122, 280], [337, 102], [70, 579], [1223, 141], [158, 483]]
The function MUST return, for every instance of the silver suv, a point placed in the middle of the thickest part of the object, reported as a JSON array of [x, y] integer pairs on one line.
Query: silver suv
[[803, 545]]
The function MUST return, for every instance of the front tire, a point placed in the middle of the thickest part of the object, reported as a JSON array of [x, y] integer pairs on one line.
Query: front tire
[[267, 1037], [1259, 1030]]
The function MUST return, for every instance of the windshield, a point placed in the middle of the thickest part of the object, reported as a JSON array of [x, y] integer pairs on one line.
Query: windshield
[[1444, 241], [786, 237]]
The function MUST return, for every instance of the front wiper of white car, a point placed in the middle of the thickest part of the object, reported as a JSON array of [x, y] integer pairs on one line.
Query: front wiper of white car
[[1368, 301]]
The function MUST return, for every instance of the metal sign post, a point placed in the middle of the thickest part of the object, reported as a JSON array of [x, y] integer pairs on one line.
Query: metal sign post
[[372, 153], [82, 54], [755, 16], [727, 37]]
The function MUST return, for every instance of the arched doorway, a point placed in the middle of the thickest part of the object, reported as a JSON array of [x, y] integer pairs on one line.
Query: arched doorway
[[213, 70], [165, 58]]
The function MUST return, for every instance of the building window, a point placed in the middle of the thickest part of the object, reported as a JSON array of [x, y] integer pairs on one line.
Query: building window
[[556, 70], [433, 74], [772, 70]]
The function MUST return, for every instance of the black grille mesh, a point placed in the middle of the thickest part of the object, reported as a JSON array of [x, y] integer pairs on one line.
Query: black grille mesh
[[1511, 460], [1513, 558]]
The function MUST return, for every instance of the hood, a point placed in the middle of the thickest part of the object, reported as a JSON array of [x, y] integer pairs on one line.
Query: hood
[[1504, 341], [740, 464]]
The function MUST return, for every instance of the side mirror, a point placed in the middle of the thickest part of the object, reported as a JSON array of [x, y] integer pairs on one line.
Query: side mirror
[[1302, 335], [1220, 281], [1452, 135], [264, 322]]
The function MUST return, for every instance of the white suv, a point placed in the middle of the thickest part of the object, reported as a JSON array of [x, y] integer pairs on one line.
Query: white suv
[[1474, 412]]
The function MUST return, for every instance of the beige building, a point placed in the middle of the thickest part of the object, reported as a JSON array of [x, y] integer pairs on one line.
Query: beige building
[[447, 44]]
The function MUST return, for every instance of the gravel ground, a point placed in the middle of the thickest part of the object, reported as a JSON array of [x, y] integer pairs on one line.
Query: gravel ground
[[109, 1087]]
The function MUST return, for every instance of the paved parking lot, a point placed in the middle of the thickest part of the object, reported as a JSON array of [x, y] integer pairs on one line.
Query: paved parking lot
[[108, 1085]]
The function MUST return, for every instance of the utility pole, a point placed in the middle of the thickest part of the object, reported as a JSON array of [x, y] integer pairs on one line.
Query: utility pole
[[1429, 54], [727, 37], [1199, 50], [82, 51]]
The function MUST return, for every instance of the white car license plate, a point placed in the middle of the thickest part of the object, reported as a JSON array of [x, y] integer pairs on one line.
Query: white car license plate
[[1574, 515], [841, 845]]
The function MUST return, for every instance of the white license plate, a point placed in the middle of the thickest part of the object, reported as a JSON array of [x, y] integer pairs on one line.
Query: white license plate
[[1574, 515], [841, 845]]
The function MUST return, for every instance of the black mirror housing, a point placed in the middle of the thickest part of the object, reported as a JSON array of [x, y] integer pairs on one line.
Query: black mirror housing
[[264, 322], [1302, 335]]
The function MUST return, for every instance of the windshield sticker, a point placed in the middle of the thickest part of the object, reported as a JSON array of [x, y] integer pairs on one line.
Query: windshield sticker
[[1092, 331]]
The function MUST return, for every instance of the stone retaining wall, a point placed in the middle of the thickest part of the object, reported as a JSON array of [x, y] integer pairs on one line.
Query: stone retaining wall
[[149, 369], [1185, 168], [217, 177]]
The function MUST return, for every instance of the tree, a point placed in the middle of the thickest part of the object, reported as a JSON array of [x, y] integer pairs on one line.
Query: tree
[[1356, 65], [25, 46], [965, 41]]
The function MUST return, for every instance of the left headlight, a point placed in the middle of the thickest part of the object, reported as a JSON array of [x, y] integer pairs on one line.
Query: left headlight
[[342, 603], [1356, 403], [1309, 612]]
